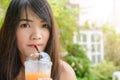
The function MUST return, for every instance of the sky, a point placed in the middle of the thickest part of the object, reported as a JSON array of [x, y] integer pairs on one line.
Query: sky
[[99, 12]]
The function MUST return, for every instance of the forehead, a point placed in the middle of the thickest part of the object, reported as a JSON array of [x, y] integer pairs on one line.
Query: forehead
[[28, 13]]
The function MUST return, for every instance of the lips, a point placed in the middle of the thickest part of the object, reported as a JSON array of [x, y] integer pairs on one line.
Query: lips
[[40, 47], [33, 45]]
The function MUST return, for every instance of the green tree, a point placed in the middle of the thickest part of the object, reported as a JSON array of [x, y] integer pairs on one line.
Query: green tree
[[3, 6], [4, 3], [104, 70], [79, 61], [65, 17], [112, 45]]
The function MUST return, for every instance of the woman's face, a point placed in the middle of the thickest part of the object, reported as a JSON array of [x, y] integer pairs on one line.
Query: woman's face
[[31, 31]]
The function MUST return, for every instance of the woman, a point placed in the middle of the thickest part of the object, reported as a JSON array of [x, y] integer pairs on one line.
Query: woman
[[28, 23]]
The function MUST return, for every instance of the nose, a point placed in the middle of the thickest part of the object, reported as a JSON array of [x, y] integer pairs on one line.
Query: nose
[[36, 36]]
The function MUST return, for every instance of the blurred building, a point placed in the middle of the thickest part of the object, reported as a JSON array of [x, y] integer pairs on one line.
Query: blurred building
[[97, 12], [91, 40]]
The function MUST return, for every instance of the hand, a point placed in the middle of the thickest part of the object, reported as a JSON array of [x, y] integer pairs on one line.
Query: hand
[[45, 79]]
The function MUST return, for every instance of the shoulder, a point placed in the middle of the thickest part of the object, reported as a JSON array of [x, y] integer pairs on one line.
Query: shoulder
[[67, 73]]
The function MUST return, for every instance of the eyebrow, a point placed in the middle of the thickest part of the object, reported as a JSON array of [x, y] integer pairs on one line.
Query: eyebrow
[[26, 20], [30, 20], [42, 21]]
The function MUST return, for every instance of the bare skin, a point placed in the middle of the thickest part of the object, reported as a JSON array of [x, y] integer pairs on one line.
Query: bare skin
[[67, 72]]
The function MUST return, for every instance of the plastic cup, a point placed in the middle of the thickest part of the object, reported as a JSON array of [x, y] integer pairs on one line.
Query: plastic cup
[[37, 69]]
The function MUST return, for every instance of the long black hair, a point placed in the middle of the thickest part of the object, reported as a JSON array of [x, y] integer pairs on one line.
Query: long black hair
[[10, 62]]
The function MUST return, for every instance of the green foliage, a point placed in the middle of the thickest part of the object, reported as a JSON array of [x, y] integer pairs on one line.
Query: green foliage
[[104, 71], [112, 45], [86, 25], [107, 28], [65, 17], [1, 20], [78, 60], [3, 6]]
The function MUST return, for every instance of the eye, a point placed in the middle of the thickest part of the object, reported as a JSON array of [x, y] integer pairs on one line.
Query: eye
[[25, 25], [45, 25]]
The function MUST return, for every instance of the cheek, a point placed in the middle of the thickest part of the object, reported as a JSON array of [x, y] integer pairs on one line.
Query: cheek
[[20, 43], [21, 39], [47, 37]]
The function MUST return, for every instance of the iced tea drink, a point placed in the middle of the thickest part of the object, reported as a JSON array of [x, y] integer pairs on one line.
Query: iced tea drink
[[36, 76], [36, 69]]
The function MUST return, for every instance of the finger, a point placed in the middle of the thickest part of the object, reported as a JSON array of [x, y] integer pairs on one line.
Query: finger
[[44, 79]]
